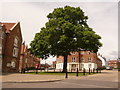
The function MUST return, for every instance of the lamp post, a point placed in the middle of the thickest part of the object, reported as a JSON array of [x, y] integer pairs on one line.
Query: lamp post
[[79, 57]]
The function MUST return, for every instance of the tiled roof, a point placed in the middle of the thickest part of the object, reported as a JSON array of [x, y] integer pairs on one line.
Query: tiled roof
[[8, 26], [113, 61]]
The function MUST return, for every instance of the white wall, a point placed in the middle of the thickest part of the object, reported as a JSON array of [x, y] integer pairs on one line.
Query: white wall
[[59, 66], [86, 65], [104, 63]]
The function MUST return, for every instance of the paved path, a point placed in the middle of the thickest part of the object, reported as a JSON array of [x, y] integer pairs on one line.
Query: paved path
[[30, 78], [107, 79]]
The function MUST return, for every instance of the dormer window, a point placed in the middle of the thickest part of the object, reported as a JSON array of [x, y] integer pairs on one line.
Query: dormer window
[[89, 52], [73, 53], [73, 59]]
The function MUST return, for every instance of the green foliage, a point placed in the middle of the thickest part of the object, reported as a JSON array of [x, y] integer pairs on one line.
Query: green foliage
[[66, 31]]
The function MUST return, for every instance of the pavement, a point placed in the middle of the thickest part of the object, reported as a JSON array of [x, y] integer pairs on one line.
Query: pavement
[[26, 78], [19, 78]]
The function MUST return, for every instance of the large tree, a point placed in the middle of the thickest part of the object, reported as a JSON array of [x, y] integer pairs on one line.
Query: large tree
[[66, 31]]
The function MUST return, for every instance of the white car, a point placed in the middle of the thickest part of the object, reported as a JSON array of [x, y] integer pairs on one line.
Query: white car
[[108, 68]]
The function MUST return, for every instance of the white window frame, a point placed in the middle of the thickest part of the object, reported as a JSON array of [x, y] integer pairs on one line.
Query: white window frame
[[89, 65], [13, 64], [73, 59], [26, 60], [89, 59], [73, 53], [82, 65], [82, 59], [15, 52], [16, 41]]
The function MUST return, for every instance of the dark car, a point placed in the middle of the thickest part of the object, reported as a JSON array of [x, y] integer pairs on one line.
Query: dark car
[[41, 68], [51, 68]]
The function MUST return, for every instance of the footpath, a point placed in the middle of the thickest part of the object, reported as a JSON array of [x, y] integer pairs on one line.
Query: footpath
[[26, 78], [17, 77]]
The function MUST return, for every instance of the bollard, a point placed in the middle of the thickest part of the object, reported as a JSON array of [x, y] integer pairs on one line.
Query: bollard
[[89, 70], [54, 69], [77, 72], [93, 70], [36, 71], [97, 70], [100, 70], [47, 69], [66, 76], [23, 70], [84, 71]]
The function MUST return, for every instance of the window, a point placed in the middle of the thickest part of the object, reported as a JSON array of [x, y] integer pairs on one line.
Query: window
[[82, 59], [26, 60], [82, 52], [15, 52], [2, 34], [89, 59], [89, 66], [0, 45], [82, 65], [73, 59], [0, 51], [89, 52], [16, 42], [0, 27], [73, 53], [13, 64]]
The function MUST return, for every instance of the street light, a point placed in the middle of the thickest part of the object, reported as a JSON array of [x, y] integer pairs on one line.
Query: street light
[[79, 57]]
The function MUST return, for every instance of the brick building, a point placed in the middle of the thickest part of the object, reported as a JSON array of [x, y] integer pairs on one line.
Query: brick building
[[10, 46], [26, 59], [84, 59], [113, 63]]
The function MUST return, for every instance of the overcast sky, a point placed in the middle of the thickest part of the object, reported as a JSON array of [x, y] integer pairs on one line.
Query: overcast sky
[[103, 18]]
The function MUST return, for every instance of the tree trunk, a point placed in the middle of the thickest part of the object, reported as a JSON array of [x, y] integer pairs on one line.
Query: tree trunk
[[65, 64]]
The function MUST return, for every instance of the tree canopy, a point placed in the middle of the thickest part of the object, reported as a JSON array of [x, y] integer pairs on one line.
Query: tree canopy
[[66, 31]]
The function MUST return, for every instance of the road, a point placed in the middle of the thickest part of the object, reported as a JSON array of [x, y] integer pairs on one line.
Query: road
[[106, 79]]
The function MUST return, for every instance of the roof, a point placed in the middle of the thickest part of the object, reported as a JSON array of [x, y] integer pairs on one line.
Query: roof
[[111, 61], [8, 26]]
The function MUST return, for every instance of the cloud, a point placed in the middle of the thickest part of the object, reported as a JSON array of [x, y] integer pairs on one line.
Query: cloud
[[103, 18]]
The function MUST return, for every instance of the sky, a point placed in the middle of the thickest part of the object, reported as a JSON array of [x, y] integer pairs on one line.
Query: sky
[[102, 17]]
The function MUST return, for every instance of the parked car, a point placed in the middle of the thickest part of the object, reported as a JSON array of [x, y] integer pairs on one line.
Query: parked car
[[51, 68], [41, 68], [109, 68]]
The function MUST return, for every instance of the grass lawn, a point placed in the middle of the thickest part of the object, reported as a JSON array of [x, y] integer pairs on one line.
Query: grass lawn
[[58, 73]]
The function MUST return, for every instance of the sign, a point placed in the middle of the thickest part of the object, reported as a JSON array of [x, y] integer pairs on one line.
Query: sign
[[36, 66]]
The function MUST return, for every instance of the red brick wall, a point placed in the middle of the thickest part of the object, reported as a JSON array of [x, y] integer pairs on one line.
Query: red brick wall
[[76, 55], [113, 63], [9, 45], [27, 59]]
